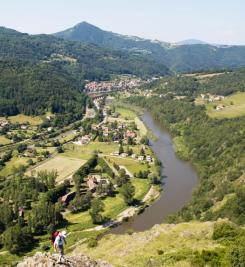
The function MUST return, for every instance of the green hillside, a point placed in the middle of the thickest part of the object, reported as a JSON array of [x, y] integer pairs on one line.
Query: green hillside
[[180, 245], [180, 58], [85, 61]]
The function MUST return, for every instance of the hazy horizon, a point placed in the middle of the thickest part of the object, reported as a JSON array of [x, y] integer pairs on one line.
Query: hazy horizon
[[170, 21]]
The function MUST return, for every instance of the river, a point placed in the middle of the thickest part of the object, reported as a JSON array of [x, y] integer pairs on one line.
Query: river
[[179, 179]]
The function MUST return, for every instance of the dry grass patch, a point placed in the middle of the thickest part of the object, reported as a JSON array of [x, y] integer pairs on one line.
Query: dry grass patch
[[63, 165]]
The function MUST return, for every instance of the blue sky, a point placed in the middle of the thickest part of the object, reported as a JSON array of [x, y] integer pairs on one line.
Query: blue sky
[[215, 21]]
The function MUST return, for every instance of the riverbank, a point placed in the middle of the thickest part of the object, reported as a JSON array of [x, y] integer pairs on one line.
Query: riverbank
[[179, 179]]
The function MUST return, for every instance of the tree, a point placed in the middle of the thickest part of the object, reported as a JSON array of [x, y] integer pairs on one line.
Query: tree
[[128, 191], [237, 256], [95, 212], [6, 214], [129, 151], [154, 178], [80, 203], [144, 140], [121, 150], [60, 149], [17, 239], [130, 141], [43, 215]]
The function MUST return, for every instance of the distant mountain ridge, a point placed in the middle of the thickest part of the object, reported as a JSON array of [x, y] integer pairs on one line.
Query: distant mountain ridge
[[191, 42], [185, 56]]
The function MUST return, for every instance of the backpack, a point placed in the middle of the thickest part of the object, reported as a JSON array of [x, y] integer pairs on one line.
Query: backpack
[[59, 240], [54, 235]]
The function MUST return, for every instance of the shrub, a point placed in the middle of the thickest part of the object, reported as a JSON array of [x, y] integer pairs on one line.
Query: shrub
[[92, 242], [225, 231], [237, 256]]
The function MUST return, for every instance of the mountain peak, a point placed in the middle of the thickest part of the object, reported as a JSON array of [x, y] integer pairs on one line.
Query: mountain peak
[[85, 24], [191, 42]]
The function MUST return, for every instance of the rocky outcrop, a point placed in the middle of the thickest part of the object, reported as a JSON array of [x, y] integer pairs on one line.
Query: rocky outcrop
[[50, 260]]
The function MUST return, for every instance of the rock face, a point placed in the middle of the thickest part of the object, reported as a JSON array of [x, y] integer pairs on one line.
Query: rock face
[[50, 260]]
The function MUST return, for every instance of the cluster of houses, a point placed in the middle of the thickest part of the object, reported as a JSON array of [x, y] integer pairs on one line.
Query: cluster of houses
[[212, 98], [115, 85], [84, 140], [3, 123], [141, 158], [92, 181]]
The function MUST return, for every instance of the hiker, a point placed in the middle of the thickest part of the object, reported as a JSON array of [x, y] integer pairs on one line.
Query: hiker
[[59, 243], [53, 236]]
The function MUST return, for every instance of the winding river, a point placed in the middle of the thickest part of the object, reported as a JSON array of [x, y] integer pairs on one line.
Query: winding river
[[179, 179]]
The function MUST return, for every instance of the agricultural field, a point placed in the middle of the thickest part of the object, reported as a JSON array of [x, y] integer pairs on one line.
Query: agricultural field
[[4, 140], [25, 119], [85, 151], [63, 165]]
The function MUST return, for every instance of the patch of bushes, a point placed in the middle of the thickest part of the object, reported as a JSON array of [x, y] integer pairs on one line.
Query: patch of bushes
[[225, 231], [92, 243]]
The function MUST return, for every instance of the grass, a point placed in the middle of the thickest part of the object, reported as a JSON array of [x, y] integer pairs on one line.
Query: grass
[[4, 140], [236, 109], [141, 126], [8, 259], [114, 206], [66, 138], [143, 247], [24, 119], [126, 113], [142, 186], [63, 165], [50, 149], [85, 151], [180, 148], [15, 162], [79, 221], [131, 164]]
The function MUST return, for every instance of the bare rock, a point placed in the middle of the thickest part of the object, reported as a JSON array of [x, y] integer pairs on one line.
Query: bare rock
[[50, 260]]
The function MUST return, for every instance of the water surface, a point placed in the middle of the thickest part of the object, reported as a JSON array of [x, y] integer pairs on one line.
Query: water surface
[[179, 179]]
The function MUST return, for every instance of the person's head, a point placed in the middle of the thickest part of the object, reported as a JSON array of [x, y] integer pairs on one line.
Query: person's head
[[63, 233]]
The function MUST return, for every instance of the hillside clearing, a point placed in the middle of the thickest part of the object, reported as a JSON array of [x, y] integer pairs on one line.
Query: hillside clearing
[[21, 118], [234, 106]]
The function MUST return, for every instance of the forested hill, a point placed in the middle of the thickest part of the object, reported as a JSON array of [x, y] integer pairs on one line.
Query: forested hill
[[181, 58], [35, 89], [43, 73], [89, 60]]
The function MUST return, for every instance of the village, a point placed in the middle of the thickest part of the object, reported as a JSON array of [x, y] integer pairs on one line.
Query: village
[[128, 144], [111, 137], [118, 84]]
